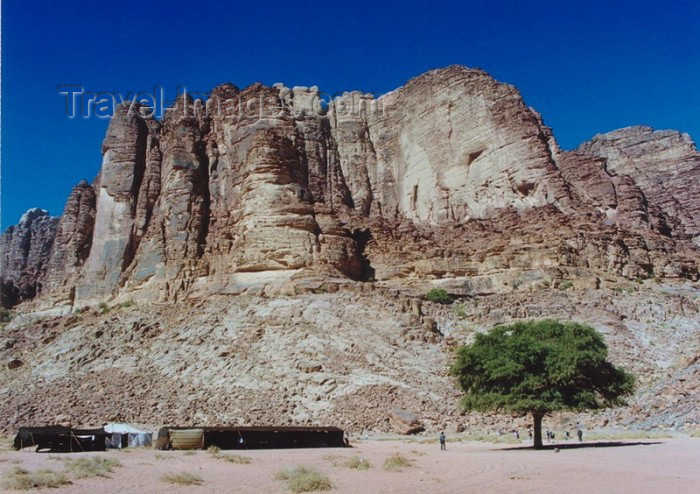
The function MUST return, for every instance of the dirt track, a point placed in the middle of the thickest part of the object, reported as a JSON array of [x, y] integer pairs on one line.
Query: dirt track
[[624, 466]]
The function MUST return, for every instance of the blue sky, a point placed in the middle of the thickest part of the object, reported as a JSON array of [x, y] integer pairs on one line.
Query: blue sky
[[588, 67]]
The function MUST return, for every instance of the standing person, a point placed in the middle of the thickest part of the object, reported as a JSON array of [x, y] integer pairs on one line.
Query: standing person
[[443, 440], [579, 432], [529, 433], [566, 435]]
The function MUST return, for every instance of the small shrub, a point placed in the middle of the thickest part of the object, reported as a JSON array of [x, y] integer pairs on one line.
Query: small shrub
[[357, 463], [565, 285], [190, 452], [97, 466], [438, 295], [213, 450], [23, 480], [304, 479], [104, 308], [128, 303], [460, 310], [5, 315], [238, 459], [183, 478], [396, 463]]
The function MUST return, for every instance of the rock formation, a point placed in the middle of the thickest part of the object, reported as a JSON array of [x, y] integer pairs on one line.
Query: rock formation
[[333, 221], [258, 188], [24, 255]]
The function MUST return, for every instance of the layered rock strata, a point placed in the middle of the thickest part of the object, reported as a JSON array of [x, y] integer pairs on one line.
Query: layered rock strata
[[450, 176]]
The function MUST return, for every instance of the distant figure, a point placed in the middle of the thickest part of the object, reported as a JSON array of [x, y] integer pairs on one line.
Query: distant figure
[[443, 440], [552, 436], [566, 435], [529, 433], [549, 436], [579, 433]]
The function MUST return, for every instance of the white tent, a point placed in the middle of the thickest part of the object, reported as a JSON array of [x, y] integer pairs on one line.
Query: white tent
[[134, 437]]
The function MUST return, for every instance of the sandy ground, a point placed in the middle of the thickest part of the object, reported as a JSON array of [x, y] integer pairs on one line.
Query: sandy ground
[[669, 465]]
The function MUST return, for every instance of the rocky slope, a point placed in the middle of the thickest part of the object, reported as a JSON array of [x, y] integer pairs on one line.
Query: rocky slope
[[331, 357], [264, 256]]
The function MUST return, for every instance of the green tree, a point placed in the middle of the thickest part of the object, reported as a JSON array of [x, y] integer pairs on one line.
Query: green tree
[[539, 367]]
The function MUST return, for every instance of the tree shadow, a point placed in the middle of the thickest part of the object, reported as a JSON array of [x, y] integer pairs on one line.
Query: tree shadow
[[593, 444]]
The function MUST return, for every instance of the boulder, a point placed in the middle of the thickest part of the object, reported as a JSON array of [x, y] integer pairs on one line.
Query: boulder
[[404, 422]]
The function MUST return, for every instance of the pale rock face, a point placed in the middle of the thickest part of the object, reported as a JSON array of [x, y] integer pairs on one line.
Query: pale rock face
[[450, 177], [456, 145], [664, 165], [123, 164]]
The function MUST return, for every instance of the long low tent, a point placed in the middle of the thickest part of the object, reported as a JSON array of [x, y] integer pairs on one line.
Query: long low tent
[[250, 437], [61, 439]]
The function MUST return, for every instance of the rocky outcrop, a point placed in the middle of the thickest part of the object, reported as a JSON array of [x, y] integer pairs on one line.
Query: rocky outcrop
[[73, 241], [24, 255], [664, 166], [450, 177]]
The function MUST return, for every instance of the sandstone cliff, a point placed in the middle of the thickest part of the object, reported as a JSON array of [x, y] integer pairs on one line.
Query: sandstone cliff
[[24, 254], [449, 177], [330, 223]]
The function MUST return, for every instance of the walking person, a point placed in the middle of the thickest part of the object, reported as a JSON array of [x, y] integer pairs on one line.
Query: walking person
[[579, 432], [443, 441]]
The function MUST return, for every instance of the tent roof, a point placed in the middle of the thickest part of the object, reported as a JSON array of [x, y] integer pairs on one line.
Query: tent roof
[[114, 428]]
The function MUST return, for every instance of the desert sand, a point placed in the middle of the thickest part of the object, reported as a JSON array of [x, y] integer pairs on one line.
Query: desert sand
[[663, 465]]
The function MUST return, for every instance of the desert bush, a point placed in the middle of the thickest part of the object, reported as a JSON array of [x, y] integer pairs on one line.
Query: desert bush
[[190, 452], [213, 450], [5, 315], [460, 310], [97, 466], [566, 284], [304, 479], [396, 463], [238, 459], [128, 303], [438, 295], [182, 478], [357, 463], [23, 480], [104, 308]]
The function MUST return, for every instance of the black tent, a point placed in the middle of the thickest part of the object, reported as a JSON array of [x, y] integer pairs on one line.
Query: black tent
[[61, 438], [267, 437]]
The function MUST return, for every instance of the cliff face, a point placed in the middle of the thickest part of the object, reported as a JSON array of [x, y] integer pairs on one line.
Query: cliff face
[[24, 254], [450, 177]]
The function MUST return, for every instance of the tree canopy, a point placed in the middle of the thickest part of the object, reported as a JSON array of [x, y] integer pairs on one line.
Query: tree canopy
[[539, 367]]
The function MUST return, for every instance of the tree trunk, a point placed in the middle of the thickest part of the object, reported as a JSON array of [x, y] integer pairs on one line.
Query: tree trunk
[[537, 418]]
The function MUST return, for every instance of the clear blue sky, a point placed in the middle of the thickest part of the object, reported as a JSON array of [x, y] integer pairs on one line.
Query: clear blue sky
[[588, 67]]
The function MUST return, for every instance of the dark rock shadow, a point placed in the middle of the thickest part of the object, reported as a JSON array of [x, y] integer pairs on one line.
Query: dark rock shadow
[[593, 444]]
